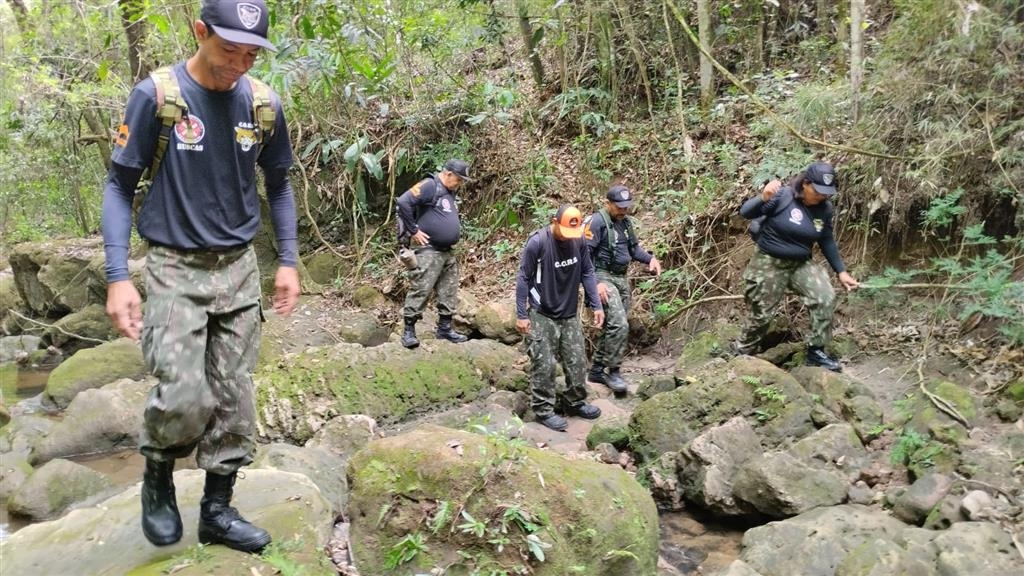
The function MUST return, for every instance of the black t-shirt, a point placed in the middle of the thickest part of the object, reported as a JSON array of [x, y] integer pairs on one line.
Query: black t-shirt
[[204, 195], [624, 252], [550, 275], [430, 207], [791, 229]]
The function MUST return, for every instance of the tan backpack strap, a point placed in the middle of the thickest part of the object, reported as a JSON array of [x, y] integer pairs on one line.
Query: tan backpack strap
[[170, 109], [264, 117]]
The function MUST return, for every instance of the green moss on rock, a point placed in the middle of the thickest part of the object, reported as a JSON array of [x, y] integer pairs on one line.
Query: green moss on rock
[[93, 368]]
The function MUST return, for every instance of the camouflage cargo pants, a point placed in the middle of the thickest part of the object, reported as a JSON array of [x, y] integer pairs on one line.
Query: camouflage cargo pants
[[611, 342], [200, 337], [437, 271], [548, 342], [767, 278]]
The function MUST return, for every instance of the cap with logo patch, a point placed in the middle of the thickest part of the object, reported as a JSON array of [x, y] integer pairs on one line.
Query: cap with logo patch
[[238, 21], [822, 176], [621, 196], [458, 167], [569, 221]]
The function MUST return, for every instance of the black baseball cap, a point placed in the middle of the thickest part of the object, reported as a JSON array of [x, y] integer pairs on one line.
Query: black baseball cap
[[238, 21], [458, 167], [822, 176], [621, 196]]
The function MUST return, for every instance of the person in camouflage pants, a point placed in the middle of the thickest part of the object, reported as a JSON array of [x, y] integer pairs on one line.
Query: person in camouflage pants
[[201, 339], [554, 264], [766, 280], [437, 272]]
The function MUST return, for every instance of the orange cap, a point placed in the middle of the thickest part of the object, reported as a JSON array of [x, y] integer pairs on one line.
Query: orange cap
[[569, 221]]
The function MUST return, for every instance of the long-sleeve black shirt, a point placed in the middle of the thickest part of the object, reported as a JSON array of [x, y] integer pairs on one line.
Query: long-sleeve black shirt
[[550, 275], [791, 228], [431, 207]]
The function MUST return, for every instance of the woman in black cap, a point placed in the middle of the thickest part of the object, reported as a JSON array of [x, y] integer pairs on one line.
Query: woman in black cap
[[796, 216]]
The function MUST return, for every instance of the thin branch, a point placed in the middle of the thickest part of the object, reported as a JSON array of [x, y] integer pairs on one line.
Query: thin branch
[[939, 402], [58, 328]]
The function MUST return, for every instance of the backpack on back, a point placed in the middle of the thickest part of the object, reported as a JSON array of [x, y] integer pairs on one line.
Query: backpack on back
[[755, 224]]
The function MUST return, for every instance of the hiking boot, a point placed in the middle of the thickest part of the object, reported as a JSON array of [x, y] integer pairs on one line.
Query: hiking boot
[[588, 411], [597, 375], [220, 523], [444, 330], [816, 356], [409, 339], [616, 382], [161, 522], [554, 421]]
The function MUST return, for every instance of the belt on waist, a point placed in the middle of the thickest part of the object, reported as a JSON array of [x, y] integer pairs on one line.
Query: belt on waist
[[203, 250], [616, 271]]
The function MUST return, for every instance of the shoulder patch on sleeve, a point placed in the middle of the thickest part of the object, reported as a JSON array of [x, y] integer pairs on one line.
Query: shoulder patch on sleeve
[[587, 232], [122, 136], [415, 190]]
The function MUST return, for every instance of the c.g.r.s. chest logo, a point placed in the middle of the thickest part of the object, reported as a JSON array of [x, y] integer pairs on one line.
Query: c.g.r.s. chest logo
[[190, 132]]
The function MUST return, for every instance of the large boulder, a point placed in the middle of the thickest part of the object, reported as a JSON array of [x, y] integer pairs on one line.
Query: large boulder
[[97, 421], [709, 463], [742, 386], [10, 299], [106, 539], [14, 469], [55, 487], [779, 485], [388, 383], [852, 540], [358, 327], [446, 498], [23, 432], [93, 368], [53, 277], [15, 347], [497, 321], [344, 435]]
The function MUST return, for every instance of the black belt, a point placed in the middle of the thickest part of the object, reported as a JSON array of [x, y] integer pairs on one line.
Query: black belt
[[616, 271], [202, 250]]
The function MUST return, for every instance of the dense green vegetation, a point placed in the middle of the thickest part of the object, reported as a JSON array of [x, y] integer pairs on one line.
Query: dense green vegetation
[[552, 99]]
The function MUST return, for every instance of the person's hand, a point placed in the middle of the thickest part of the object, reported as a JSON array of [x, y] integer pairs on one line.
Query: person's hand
[[421, 237], [523, 325], [602, 292], [598, 318], [848, 282], [286, 290], [124, 307], [770, 189], [655, 266]]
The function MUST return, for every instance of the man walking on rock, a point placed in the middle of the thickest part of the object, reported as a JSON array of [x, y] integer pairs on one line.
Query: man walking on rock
[[613, 245], [201, 330], [554, 264], [429, 219]]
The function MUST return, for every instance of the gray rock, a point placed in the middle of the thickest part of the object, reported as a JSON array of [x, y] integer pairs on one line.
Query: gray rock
[[738, 568], [976, 549], [325, 469], [860, 493], [344, 435], [53, 277], [80, 329], [778, 485], [836, 446], [97, 421], [11, 347], [55, 487], [106, 539], [944, 514], [865, 414], [14, 469], [23, 432], [975, 504], [709, 463], [358, 327], [607, 453], [497, 321], [918, 500]]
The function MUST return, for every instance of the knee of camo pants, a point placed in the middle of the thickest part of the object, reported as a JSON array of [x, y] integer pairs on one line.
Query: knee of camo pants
[[540, 349]]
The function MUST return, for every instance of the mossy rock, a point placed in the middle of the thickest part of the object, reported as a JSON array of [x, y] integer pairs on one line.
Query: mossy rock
[[90, 322], [387, 383], [743, 386], [323, 267], [705, 347], [1015, 391], [922, 416], [367, 297], [614, 431], [93, 368], [434, 485]]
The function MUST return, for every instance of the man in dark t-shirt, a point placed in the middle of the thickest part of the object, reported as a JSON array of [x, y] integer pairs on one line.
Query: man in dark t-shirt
[[201, 330], [429, 220], [554, 264]]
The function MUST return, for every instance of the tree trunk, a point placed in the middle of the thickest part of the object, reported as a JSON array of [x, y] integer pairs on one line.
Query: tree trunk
[[704, 34], [100, 135], [20, 14], [530, 42], [856, 55], [135, 31], [821, 16], [842, 34]]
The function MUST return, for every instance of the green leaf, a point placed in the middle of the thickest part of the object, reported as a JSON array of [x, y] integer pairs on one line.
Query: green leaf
[[372, 164]]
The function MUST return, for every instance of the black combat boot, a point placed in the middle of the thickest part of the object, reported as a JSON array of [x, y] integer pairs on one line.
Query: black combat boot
[[220, 523], [616, 382], [444, 330], [409, 339], [816, 356], [597, 375], [161, 522]]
